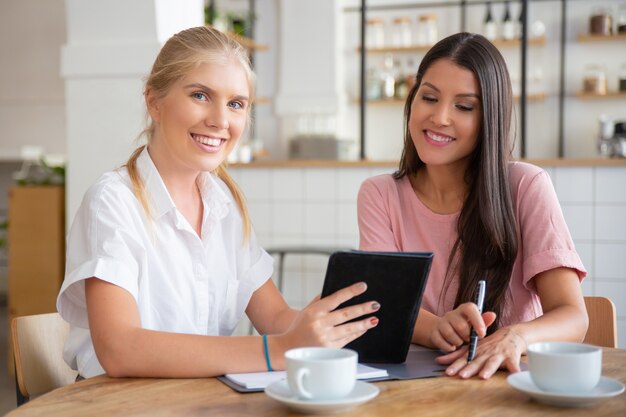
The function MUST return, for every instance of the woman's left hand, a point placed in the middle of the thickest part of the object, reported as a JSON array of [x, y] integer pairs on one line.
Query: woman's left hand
[[503, 349]]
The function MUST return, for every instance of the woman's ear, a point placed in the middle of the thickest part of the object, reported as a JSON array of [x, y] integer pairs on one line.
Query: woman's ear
[[152, 104]]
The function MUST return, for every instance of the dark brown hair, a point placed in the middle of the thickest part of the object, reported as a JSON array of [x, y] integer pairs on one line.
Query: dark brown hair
[[486, 246]]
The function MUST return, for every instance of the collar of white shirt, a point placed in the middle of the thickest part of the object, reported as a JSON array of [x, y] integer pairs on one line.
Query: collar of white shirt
[[214, 197]]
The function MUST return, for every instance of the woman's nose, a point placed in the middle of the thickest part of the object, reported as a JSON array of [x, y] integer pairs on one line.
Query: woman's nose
[[217, 117], [440, 116]]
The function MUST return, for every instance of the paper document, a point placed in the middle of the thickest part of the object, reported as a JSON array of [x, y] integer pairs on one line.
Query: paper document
[[259, 380]]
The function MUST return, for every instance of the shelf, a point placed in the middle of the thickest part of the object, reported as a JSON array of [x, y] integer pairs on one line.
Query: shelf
[[585, 37], [501, 43], [592, 96]]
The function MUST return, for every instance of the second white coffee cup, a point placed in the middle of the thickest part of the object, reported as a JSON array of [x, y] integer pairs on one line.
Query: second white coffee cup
[[565, 367], [317, 373]]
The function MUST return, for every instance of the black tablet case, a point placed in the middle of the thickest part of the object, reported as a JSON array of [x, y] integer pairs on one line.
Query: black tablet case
[[397, 281]]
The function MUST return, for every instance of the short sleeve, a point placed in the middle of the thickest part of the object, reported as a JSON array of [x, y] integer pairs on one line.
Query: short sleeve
[[260, 266], [545, 237], [375, 229], [101, 243]]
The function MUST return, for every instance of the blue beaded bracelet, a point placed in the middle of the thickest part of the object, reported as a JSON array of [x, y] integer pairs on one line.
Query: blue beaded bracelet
[[267, 354]]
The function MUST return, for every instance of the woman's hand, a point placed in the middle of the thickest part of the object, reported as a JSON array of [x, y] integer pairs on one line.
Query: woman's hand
[[453, 329], [319, 324], [502, 349]]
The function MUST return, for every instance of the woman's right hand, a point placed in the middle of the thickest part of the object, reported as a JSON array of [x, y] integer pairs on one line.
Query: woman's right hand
[[320, 324], [453, 329]]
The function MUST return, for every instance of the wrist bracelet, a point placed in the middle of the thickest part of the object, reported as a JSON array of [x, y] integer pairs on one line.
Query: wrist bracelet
[[267, 354]]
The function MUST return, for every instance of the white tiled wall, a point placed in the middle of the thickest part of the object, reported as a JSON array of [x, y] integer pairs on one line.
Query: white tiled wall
[[317, 206]]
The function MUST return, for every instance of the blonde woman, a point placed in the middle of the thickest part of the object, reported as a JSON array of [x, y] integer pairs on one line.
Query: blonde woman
[[161, 260]]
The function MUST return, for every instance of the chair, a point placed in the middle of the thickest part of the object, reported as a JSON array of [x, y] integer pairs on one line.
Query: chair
[[602, 322], [38, 351]]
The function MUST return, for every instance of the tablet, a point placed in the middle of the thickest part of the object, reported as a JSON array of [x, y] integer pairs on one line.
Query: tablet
[[397, 281]]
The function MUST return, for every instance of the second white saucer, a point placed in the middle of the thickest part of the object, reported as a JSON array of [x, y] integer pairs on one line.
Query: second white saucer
[[606, 388], [361, 393]]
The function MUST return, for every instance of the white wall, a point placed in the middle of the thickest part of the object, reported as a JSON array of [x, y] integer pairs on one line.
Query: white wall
[[110, 48], [32, 98], [317, 206]]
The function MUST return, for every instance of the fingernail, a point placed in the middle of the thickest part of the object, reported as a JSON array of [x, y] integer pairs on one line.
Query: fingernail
[[362, 286], [375, 306], [373, 321]]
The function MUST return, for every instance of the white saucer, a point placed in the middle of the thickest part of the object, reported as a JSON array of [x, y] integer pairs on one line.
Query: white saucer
[[606, 388], [361, 393]]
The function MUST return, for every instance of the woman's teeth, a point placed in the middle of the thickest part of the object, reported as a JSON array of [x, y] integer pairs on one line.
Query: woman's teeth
[[438, 138], [206, 140]]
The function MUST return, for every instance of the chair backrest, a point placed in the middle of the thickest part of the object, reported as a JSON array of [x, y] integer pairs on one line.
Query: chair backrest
[[38, 350], [602, 322]]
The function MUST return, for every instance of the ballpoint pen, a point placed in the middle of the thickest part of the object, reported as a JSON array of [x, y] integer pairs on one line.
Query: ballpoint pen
[[480, 299]]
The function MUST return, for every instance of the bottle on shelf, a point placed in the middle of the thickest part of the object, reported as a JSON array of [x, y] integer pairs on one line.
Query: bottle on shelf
[[601, 22], [373, 85], [490, 28], [409, 75], [375, 33], [508, 25], [594, 81], [401, 88], [388, 80], [622, 78], [427, 32], [401, 33], [621, 19]]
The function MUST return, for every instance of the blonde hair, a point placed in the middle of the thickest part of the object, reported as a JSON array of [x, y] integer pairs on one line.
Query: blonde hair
[[181, 53]]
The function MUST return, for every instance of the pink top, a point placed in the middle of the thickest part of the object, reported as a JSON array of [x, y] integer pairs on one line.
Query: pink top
[[392, 218]]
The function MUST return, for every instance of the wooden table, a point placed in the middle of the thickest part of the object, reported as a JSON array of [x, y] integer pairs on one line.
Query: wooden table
[[442, 396]]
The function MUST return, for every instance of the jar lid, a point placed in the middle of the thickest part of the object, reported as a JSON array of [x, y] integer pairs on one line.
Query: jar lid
[[425, 17], [375, 21], [402, 19]]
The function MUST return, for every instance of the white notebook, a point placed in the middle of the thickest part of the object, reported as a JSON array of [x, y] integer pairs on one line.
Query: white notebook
[[260, 380]]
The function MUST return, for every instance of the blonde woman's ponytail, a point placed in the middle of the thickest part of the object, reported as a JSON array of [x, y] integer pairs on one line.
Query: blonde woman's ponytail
[[221, 173]]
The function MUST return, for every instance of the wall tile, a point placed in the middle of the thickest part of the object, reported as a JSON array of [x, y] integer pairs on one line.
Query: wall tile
[[621, 333], [288, 185], [610, 223], [255, 184], [288, 219], [320, 184], [610, 184], [320, 219], [349, 181], [573, 185], [579, 220], [610, 260], [347, 219]]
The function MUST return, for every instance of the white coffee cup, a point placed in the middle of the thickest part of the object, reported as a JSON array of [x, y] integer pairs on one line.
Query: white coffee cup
[[564, 366], [317, 373]]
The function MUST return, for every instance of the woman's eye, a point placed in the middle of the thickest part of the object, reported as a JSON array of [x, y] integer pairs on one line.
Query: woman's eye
[[199, 96], [236, 105], [463, 107], [429, 99]]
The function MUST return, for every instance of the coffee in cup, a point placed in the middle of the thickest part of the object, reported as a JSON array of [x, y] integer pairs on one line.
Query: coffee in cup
[[564, 366], [317, 373]]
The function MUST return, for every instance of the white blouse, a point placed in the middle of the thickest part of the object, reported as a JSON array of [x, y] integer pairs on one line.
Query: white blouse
[[182, 283]]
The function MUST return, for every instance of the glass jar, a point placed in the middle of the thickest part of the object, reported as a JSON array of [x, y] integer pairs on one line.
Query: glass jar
[[621, 19], [427, 30], [621, 79], [594, 80], [401, 33], [375, 33], [601, 22]]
